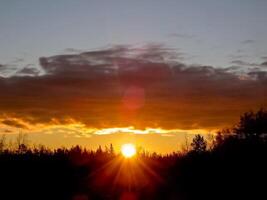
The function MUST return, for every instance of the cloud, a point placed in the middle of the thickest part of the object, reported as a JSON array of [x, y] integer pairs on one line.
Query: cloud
[[72, 50], [264, 64], [181, 35], [258, 75], [18, 60], [28, 70], [124, 86], [7, 69], [244, 63], [18, 68], [248, 41], [14, 123]]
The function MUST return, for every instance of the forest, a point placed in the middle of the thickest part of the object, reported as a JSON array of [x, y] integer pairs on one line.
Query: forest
[[232, 166]]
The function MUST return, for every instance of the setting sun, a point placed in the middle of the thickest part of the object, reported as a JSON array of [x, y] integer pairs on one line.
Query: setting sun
[[128, 150]]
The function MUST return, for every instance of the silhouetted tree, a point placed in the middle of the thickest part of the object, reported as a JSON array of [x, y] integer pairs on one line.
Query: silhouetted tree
[[99, 150], [221, 136], [2, 143], [22, 142], [185, 147], [199, 144], [252, 125], [111, 149]]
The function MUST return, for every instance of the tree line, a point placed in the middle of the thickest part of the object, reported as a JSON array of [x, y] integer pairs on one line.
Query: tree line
[[231, 166]]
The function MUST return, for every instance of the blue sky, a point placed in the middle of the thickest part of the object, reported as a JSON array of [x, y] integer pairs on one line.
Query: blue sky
[[208, 32]]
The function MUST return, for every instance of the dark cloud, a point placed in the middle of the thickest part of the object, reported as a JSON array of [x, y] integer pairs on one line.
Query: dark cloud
[[14, 123], [264, 64], [28, 70], [130, 86], [258, 75], [249, 64], [3, 66], [244, 63]]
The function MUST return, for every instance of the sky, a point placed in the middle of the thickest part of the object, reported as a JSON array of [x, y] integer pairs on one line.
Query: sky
[[152, 72]]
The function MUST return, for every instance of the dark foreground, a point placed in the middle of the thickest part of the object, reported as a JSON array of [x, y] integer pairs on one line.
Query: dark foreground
[[233, 168]]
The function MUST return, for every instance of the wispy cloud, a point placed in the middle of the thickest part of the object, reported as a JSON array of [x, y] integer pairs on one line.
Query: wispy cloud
[[182, 35], [248, 41], [14, 123], [244, 63]]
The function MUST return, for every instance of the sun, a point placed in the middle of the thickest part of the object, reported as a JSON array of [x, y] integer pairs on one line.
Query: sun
[[128, 150]]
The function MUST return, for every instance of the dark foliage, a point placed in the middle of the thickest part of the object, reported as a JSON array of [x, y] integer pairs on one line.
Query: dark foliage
[[252, 125], [199, 144], [234, 168]]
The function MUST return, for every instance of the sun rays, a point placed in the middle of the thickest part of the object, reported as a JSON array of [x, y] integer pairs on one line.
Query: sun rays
[[128, 170]]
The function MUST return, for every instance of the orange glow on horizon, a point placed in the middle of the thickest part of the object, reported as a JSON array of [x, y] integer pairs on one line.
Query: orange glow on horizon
[[56, 134]]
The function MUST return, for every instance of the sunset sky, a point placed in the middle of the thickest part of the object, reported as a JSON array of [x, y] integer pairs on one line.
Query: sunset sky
[[146, 72]]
